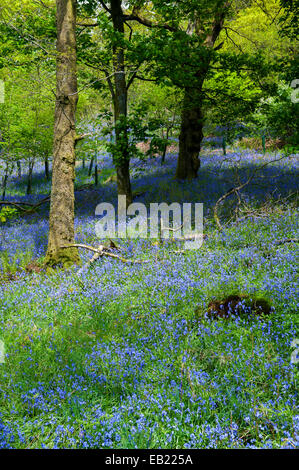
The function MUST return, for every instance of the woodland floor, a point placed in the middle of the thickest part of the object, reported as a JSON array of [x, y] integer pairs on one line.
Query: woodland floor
[[123, 356]]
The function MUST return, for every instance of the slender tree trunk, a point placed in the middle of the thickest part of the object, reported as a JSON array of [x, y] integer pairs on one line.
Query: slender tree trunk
[[4, 182], [164, 154], [47, 172], [122, 159], [29, 177], [19, 168], [90, 166], [96, 178], [8, 172], [165, 146], [61, 222], [190, 138]]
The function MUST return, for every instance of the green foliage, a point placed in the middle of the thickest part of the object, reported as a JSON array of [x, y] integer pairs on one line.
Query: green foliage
[[131, 130], [7, 213], [251, 61], [26, 116], [289, 18], [278, 116], [233, 103]]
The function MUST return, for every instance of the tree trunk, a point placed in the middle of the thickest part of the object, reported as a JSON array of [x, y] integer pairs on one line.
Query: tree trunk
[[192, 121], [4, 182], [122, 159], [90, 166], [19, 169], [164, 154], [123, 181], [47, 172], [191, 135], [168, 129], [8, 171], [96, 176], [61, 222], [29, 177]]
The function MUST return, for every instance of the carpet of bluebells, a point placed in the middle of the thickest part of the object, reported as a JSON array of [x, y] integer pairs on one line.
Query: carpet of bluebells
[[119, 356]]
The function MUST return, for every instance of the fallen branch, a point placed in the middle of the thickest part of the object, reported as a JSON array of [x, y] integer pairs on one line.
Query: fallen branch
[[92, 260], [19, 204], [190, 237], [102, 251], [286, 240], [236, 190], [23, 206], [169, 228]]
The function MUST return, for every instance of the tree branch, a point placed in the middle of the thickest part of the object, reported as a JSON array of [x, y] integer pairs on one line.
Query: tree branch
[[148, 23], [237, 189], [103, 251], [105, 6], [81, 137]]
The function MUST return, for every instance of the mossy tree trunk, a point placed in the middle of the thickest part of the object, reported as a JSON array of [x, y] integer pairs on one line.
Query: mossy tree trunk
[[61, 230]]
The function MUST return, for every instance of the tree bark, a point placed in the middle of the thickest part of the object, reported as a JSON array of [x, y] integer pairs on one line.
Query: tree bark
[[120, 100], [4, 182], [191, 135], [90, 166], [61, 230], [29, 177], [96, 176], [19, 166], [47, 172], [192, 117]]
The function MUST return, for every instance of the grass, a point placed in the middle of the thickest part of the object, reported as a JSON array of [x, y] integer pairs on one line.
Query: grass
[[120, 357]]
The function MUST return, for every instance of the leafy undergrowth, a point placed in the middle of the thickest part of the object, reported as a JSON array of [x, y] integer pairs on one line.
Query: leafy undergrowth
[[120, 358]]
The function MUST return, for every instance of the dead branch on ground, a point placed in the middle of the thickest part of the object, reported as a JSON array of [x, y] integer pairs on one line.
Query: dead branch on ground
[[237, 192], [28, 207], [101, 251]]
